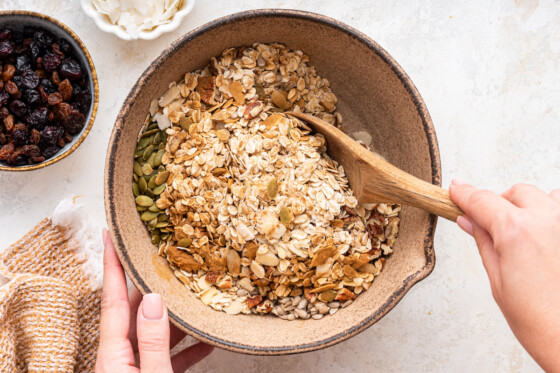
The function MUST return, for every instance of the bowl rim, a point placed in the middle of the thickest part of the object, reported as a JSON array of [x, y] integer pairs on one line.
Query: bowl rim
[[95, 102], [104, 25], [110, 171]]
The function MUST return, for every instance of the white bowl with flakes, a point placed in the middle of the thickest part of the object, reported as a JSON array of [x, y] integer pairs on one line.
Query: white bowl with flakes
[[137, 19]]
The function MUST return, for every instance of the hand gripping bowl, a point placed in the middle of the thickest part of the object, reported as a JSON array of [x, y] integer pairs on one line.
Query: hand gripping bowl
[[375, 95]]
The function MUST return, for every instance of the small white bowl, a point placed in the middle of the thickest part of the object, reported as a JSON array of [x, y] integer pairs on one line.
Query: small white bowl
[[102, 21]]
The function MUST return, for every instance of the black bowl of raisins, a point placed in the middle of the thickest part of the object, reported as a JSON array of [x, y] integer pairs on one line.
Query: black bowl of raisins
[[48, 91]]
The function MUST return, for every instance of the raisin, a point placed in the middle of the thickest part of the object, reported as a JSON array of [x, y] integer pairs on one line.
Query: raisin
[[4, 97], [16, 158], [50, 151], [42, 74], [3, 139], [17, 80], [34, 50], [55, 98], [61, 142], [4, 112], [64, 46], [67, 137], [82, 101], [19, 137], [6, 151], [5, 34], [50, 135], [38, 117], [55, 78], [37, 159], [48, 86], [65, 89], [43, 38], [31, 150], [18, 108], [56, 49], [6, 48], [75, 122], [11, 88], [8, 73], [62, 111], [50, 61], [70, 69], [44, 95], [9, 123], [29, 80], [32, 96], [23, 64], [34, 137]]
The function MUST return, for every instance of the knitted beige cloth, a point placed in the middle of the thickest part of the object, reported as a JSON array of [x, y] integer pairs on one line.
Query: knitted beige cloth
[[49, 309]]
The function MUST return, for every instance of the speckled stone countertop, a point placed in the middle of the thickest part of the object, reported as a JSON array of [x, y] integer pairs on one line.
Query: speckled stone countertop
[[489, 73]]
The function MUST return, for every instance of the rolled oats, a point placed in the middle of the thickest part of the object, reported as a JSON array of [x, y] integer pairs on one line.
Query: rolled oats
[[258, 218]]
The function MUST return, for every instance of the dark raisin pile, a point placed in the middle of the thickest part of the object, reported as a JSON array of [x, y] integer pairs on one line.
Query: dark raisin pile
[[44, 96]]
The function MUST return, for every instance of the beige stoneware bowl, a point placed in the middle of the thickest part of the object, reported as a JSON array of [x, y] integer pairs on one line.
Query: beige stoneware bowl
[[374, 94]]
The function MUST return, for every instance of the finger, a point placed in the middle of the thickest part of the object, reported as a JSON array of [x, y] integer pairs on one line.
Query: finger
[[525, 195], [482, 206], [115, 313], [153, 335], [555, 194], [190, 356], [135, 298], [489, 256]]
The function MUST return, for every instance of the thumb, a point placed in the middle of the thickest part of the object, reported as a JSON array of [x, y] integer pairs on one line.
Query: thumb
[[153, 335]]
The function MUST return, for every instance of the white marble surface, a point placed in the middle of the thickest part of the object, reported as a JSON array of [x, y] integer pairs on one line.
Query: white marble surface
[[489, 73]]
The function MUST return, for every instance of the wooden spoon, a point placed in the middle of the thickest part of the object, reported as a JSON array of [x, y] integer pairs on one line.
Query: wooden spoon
[[373, 179]]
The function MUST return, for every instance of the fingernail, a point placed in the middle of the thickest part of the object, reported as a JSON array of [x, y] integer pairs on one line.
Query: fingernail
[[152, 307], [465, 224], [458, 181], [104, 236]]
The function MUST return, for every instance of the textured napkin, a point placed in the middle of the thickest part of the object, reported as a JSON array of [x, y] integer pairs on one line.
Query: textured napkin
[[49, 306]]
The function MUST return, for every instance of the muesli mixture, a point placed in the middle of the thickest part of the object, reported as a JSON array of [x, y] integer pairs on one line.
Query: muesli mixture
[[244, 202]]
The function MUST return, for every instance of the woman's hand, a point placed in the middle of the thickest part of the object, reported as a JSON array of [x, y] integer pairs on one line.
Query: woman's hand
[[137, 329], [518, 236]]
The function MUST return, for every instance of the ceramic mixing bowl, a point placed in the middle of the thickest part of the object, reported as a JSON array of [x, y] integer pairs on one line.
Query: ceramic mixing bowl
[[375, 95]]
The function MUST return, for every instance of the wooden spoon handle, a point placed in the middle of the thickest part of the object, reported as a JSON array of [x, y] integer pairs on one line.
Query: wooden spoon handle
[[401, 187]]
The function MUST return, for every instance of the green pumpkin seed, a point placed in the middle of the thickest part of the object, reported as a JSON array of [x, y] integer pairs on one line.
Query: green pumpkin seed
[[165, 236], [151, 159], [152, 182], [162, 177], [185, 123], [156, 139], [272, 188], [138, 153], [159, 189], [144, 201], [147, 152], [149, 215], [142, 185], [150, 132], [147, 169], [142, 143], [137, 168], [152, 224], [184, 242], [162, 224], [285, 215], [159, 157], [156, 239], [141, 208], [163, 217], [152, 126], [149, 193], [154, 208], [135, 189], [161, 168], [135, 178]]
